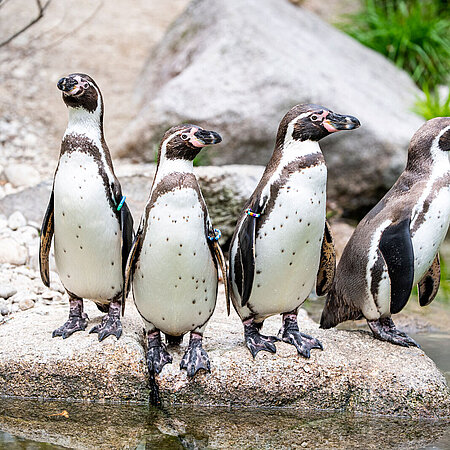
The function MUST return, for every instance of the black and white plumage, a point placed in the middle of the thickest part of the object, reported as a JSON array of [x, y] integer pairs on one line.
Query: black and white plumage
[[395, 246], [276, 258], [92, 237], [174, 260]]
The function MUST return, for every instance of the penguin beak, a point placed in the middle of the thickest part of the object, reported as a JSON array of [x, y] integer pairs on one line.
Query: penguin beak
[[66, 84], [204, 137], [336, 122]]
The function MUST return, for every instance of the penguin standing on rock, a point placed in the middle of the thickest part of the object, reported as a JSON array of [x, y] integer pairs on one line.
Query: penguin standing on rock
[[282, 244], [395, 246], [92, 225], [174, 260]]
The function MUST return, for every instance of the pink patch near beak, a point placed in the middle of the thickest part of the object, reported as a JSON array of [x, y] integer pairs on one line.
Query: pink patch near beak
[[193, 139], [329, 127]]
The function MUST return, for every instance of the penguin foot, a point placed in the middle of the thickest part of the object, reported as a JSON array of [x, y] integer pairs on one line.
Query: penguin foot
[[76, 323], [385, 330], [256, 342], [304, 343], [157, 355], [110, 325], [195, 357], [78, 319]]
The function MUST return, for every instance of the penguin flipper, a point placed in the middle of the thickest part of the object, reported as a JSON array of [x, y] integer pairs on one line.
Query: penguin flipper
[[327, 268], [133, 256], [223, 268], [397, 250], [429, 285], [246, 250], [126, 225], [45, 244]]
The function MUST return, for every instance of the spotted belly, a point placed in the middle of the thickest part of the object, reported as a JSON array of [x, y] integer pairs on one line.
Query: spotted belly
[[430, 233], [175, 281], [288, 245], [87, 232]]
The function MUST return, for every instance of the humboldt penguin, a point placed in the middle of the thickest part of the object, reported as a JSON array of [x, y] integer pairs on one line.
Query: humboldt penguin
[[282, 244], [173, 264], [396, 245], [87, 215]]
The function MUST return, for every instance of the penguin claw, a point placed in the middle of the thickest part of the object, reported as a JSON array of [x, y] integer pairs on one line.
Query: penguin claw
[[157, 358], [304, 343], [110, 326], [78, 323], [195, 358], [385, 330], [256, 342]]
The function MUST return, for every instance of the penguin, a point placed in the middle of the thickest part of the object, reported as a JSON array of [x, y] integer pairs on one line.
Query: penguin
[[395, 246], [91, 224], [173, 264], [282, 245]]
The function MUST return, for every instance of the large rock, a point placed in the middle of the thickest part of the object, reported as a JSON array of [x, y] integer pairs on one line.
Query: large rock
[[237, 67], [354, 372]]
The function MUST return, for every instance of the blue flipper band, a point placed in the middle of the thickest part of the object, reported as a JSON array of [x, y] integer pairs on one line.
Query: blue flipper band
[[121, 203]]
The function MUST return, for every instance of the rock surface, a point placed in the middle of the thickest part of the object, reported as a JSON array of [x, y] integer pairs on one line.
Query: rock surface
[[353, 373], [249, 63]]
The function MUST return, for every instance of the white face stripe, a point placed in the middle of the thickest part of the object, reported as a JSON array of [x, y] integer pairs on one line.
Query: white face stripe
[[439, 166]]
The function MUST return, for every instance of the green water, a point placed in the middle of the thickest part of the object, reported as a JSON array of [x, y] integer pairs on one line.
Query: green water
[[27, 424]]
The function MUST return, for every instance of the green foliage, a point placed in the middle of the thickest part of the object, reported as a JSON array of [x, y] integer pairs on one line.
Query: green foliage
[[444, 288], [432, 105], [414, 34]]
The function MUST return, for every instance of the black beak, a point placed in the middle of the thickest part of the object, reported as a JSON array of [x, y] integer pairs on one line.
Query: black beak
[[208, 137], [66, 84], [341, 122]]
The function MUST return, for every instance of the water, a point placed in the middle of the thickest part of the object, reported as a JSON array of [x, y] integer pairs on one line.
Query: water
[[27, 424]]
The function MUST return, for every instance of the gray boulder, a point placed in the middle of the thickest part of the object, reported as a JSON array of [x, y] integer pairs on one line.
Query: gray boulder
[[237, 67], [354, 372]]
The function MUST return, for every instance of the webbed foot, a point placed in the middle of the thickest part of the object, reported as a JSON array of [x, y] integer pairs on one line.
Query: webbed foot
[[195, 357], [256, 342], [78, 319], [157, 358], [384, 329], [157, 355], [110, 324], [290, 334]]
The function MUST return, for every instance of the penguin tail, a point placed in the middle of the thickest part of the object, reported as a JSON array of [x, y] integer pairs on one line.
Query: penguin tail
[[337, 310]]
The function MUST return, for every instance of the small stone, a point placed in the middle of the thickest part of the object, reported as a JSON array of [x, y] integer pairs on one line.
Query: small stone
[[12, 252], [16, 220], [26, 303], [7, 291], [22, 175]]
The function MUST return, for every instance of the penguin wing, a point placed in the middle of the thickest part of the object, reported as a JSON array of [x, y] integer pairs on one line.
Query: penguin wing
[[133, 256], [218, 254], [429, 285], [47, 230], [397, 250], [244, 266], [327, 268]]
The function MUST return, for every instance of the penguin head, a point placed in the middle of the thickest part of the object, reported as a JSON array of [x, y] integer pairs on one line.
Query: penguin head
[[80, 91], [185, 142], [429, 144], [307, 122]]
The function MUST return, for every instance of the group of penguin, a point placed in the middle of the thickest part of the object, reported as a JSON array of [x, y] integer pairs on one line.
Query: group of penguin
[[282, 247]]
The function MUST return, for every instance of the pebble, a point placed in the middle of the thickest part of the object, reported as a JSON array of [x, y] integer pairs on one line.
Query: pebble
[[26, 303], [12, 252], [16, 220], [7, 291], [22, 175]]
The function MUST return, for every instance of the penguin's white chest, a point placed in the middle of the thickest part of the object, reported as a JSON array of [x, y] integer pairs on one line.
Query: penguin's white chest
[[87, 232], [288, 244], [175, 281], [431, 232]]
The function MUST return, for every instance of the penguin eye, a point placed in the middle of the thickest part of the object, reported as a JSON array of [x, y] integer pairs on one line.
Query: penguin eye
[[184, 136], [315, 117]]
